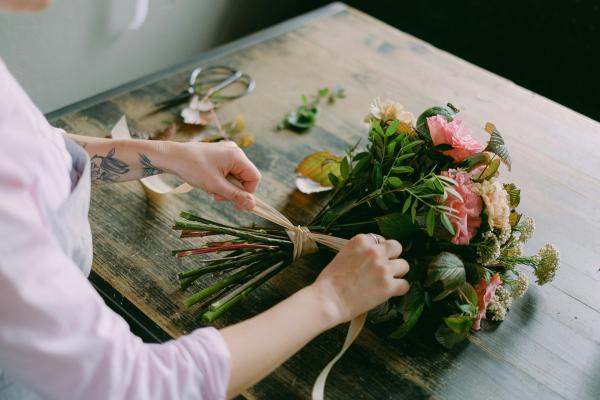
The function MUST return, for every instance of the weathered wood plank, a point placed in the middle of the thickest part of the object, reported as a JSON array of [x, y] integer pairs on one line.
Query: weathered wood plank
[[549, 345]]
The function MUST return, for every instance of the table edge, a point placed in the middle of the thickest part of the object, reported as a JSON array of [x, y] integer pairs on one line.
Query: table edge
[[241, 43]]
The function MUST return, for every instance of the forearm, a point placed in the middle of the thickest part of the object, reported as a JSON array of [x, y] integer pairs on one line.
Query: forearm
[[261, 344], [124, 160]]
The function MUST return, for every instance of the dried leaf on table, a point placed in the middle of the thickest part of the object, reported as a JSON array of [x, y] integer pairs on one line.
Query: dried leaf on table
[[317, 166]]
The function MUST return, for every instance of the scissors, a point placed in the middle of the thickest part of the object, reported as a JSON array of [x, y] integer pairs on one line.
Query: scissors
[[208, 82]]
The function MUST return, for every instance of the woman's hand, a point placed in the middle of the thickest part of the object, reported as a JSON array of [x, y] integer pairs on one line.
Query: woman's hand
[[208, 165], [364, 274]]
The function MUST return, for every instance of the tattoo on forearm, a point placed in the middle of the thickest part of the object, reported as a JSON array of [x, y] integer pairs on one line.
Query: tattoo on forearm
[[107, 169], [147, 168]]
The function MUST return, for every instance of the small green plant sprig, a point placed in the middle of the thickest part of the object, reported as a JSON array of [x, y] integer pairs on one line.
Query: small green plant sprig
[[305, 117]]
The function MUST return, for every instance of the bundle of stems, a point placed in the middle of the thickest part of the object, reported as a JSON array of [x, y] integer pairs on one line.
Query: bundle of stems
[[251, 256]]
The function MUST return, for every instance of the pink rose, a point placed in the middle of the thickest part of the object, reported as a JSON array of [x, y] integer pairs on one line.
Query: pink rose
[[455, 134], [485, 294], [467, 218]]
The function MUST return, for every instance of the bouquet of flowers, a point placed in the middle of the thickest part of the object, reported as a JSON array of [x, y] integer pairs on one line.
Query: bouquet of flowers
[[425, 182]]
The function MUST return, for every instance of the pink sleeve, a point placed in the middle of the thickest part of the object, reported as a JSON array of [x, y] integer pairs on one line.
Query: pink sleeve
[[58, 337]]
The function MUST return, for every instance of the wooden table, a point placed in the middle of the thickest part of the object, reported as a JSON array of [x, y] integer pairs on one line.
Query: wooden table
[[549, 345]]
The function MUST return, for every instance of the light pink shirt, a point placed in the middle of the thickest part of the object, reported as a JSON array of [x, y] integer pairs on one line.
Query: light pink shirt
[[56, 334]]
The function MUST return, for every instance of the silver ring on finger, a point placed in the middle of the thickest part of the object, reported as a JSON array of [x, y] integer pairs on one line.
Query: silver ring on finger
[[375, 238]]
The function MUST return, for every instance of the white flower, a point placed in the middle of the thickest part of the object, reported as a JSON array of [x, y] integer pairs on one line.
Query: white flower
[[496, 310], [513, 249], [547, 264], [496, 202], [388, 110], [520, 285], [503, 297], [526, 228]]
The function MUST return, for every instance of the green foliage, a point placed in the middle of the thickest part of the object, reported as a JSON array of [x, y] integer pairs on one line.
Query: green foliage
[[489, 171], [445, 271], [496, 144], [396, 226], [413, 304], [514, 195], [305, 116]]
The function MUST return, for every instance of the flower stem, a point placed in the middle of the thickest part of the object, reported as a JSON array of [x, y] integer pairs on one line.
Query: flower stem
[[199, 226], [217, 309], [222, 284]]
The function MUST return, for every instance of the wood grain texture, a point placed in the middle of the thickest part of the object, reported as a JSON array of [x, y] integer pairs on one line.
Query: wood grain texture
[[548, 347]]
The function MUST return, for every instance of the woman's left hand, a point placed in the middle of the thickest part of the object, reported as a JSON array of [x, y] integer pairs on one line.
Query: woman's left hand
[[212, 167]]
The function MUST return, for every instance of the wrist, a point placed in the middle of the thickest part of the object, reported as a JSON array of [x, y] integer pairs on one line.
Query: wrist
[[325, 306], [168, 155]]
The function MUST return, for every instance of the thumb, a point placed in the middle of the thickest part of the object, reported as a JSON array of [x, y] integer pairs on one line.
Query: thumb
[[232, 190]]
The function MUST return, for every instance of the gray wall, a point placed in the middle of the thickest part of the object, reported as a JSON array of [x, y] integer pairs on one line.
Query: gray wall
[[78, 48]]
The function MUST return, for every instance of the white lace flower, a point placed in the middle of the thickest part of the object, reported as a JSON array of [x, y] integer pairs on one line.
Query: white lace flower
[[547, 264], [526, 228], [496, 310], [520, 285]]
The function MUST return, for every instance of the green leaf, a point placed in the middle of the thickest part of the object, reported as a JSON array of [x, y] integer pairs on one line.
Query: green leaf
[[377, 128], [413, 304], [489, 171], [403, 157], [403, 170], [422, 127], [446, 270], [469, 293], [438, 186], [361, 164], [430, 221], [394, 181], [391, 129], [390, 148], [459, 323], [323, 92], [396, 226], [413, 211], [448, 338], [474, 160], [344, 168], [377, 176], [514, 195], [468, 309], [447, 224], [333, 179], [411, 145], [514, 218], [406, 204], [496, 144]]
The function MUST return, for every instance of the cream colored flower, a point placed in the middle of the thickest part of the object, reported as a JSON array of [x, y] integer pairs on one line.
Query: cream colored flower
[[388, 110], [496, 203]]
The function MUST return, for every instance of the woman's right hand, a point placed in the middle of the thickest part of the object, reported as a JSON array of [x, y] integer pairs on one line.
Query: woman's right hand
[[364, 274]]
